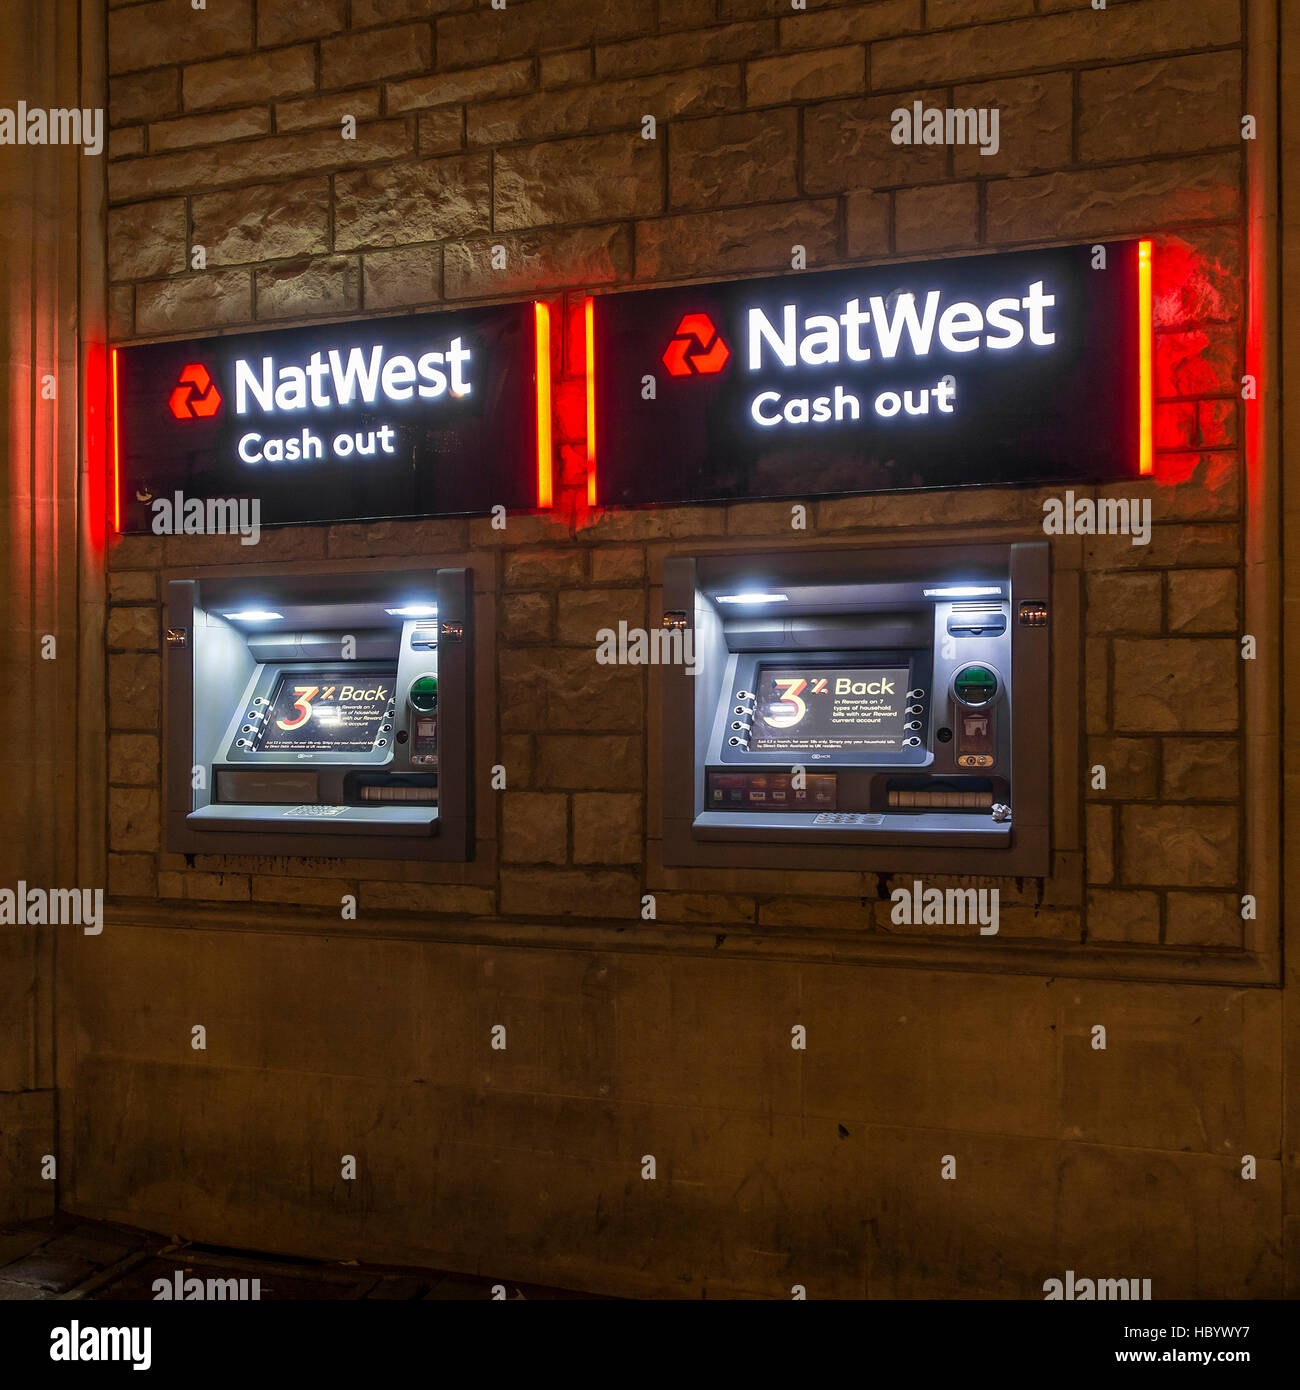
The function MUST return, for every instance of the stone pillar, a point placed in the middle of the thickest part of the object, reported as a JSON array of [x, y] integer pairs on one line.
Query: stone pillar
[[50, 57]]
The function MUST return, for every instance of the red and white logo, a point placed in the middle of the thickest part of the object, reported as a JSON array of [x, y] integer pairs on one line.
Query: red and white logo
[[696, 331], [196, 396]]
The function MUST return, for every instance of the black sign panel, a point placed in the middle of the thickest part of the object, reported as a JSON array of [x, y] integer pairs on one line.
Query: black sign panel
[[991, 369], [829, 707], [430, 415], [317, 712]]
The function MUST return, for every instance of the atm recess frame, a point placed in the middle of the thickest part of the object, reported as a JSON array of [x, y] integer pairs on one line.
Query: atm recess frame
[[450, 837], [1024, 851]]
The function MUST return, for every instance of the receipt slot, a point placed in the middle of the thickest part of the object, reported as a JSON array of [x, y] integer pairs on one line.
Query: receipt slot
[[876, 709], [312, 714]]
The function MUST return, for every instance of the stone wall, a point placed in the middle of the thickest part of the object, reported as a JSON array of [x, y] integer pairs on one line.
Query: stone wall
[[523, 128]]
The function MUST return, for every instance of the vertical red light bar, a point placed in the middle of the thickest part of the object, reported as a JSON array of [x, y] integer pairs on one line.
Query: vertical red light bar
[[114, 444], [589, 321], [1146, 389], [542, 326]]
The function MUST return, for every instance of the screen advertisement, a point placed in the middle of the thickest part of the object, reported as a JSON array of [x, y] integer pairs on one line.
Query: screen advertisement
[[1009, 368], [315, 712], [829, 709]]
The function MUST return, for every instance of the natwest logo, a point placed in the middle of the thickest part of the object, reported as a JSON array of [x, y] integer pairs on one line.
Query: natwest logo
[[196, 395], [696, 331]]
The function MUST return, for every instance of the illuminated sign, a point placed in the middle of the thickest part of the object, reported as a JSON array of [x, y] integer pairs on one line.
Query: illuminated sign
[[1023, 368], [430, 415]]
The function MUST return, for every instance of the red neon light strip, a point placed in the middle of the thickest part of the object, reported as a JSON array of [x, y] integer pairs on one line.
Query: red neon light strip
[[542, 324], [589, 316], [1146, 388], [117, 453]]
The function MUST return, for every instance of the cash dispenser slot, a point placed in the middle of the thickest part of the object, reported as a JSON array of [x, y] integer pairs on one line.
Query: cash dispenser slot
[[857, 708], [324, 718]]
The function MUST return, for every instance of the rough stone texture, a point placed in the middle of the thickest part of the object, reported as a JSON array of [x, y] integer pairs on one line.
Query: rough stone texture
[[733, 159], [537, 261], [145, 96], [286, 72], [283, 21], [426, 201], [1203, 919], [937, 218], [173, 31], [325, 285], [209, 130], [744, 239], [409, 276], [1132, 767], [806, 76], [1200, 769], [1202, 600], [672, 53], [331, 110], [209, 300], [847, 145], [265, 222], [1123, 602], [1178, 846], [147, 240], [1176, 685], [607, 828], [1034, 125], [360, 58], [585, 180], [1123, 916]]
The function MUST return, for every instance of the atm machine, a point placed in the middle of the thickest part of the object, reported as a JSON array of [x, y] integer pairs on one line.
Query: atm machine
[[319, 714], [878, 709]]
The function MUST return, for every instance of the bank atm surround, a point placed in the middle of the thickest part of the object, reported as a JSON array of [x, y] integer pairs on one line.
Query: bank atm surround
[[319, 715], [882, 708]]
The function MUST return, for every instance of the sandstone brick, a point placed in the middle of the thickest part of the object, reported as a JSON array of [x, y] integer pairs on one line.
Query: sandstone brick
[[706, 243], [146, 240], [488, 36], [1195, 487], [134, 683], [589, 762], [936, 218], [195, 886], [286, 72], [133, 818], [1132, 767], [544, 569], [846, 24], [1171, 547], [144, 96], [1175, 685], [249, 161], [1096, 696], [456, 899], [121, 312], [172, 31], [1170, 106], [1203, 919], [585, 256], [426, 537], [1199, 361], [607, 828], [658, 523], [583, 612], [423, 201], [617, 564], [368, 12], [133, 760], [133, 629], [1123, 602], [534, 828], [1202, 600], [619, 175], [607, 105], [133, 586], [360, 58], [1196, 277], [283, 21], [1035, 120], [213, 129], [209, 300], [132, 876], [866, 224], [1174, 424], [1180, 846], [527, 617], [675, 52], [124, 143], [476, 84], [1122, 916], [362, 104], [713, 908], [408, 276], [1201, 769], [516, 756], [989, 49], [811, 76], [263, 222], [1216, 424], [1101, 843], [563, 69], [847, 145], [820, 914], [441, 131], [300, 891], [533, 893], [1114, 202], [570, 691], [748, 158], [322, 285], [940, 14]]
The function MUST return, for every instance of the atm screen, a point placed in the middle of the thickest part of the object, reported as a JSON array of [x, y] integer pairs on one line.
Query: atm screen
[[318, 712], [829, 708]]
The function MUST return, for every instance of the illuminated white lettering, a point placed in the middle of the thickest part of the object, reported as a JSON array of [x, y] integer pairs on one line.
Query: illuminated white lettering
[[961, 319], [760, 330]]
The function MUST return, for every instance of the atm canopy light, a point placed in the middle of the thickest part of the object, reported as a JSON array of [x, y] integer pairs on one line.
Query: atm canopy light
[[414, 610], [965, 591], [253, 615], [752, 598]]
